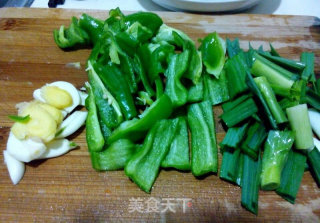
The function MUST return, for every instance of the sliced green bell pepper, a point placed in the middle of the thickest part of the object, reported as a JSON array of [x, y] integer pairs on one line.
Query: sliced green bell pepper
[[135, 129], [174, 88], [108, 107], [112, 77], [143, 167], [213, 52], [178, 156], [94, 137], [204, 151], [114, 157]]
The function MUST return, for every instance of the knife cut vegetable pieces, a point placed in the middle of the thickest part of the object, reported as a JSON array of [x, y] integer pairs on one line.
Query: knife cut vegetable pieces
[[250, 183], [233, 137], [143, 167], [275, 74], [135, 128], [107, 106], [213, 52], [300, 124], [204, 151], [255, 137], [239, 113], [271, 100], [178, 156], [308, 71], [216, 90], [266, 110], [284, 62], [174, 88], [231, 166], [291, 176], [275, 155], [113, 157], [94, 137], [112, 77], [236, 69], [313, 160]]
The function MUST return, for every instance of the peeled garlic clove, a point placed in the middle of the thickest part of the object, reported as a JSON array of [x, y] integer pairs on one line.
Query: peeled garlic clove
[[15, 167], [25, 150], [57, 148], [71, 124]]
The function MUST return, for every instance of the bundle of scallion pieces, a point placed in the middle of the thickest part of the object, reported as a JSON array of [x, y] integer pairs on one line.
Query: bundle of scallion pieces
[[147, 87], [150, 87], [269, 141]]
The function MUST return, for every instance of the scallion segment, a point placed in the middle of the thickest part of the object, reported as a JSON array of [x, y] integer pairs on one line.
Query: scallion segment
[[275, 74], [236, 68], [250, 183], [284, 62], [231, 166], [239, 113], [275, 155], [308, 59], [271, 100], [256, 135], [300, 124], [314, 164], [291, 176]]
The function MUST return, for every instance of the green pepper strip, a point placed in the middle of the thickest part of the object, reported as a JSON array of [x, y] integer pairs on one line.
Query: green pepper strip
[[93, 26], [134, 129], [178, 156], [144, 166], [71, 36], [112, 77], [174, 88], [108, 107], [95, 139], [114, 157], [204, 158], [148, 19]]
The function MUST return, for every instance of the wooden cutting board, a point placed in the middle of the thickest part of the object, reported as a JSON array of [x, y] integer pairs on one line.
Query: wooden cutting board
[[67, 189]]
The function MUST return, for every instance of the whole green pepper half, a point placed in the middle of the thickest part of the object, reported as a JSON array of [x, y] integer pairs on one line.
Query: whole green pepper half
[[114, 157], [143, 167], [204, 152], [135, 129], [95, 139]]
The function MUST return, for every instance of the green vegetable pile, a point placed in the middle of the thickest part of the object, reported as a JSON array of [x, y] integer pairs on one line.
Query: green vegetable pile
[[149, 87]]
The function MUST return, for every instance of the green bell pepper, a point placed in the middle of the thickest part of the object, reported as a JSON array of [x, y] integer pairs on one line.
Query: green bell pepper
[[178, 156], [135, 129], [112, 77], [94, 137], [114, 157], [108, 107], [144, 166], [92, 26], [72, 36], [213, 52], [174, 88], [204, 151]]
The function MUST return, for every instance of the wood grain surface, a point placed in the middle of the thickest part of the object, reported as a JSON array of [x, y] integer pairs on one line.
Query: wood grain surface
[[67, 189]]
